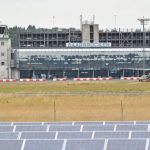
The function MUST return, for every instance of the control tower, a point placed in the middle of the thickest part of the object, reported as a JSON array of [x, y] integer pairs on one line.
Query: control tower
[[5, 53]]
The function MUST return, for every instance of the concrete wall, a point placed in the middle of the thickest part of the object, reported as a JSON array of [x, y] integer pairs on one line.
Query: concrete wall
[[3, 72], [85, 33], [96, 33], [15, 73]]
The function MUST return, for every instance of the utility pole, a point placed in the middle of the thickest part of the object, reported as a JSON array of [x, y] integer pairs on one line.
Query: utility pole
[[122, 112], [144, 21], [54, 110]]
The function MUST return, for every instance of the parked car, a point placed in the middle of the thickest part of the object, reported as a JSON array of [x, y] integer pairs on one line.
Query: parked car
[[144, 78]]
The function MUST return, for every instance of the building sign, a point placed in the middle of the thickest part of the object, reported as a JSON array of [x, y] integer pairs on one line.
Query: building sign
[[88, 44]]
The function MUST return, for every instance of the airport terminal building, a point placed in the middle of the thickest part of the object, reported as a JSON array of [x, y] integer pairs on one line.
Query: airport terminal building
[[86, 53]]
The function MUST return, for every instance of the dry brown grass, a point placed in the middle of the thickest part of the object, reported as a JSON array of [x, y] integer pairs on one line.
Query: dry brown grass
[[73, 108]]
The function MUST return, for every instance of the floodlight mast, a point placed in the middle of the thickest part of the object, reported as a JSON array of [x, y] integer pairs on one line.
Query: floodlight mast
[[144, 21]]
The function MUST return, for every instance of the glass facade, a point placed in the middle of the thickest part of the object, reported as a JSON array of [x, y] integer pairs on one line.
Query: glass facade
[[73, 63]]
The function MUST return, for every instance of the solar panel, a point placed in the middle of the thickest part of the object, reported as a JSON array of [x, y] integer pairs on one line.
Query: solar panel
[[31, 128], [74, 135], [58, 123], [120, 122], [126, 144], [6, 128], [84, 145], [38, 135], [140, 135], [28, 123], [64, 128], [10, 144], [143, 122], [109, 135], [88, 123], [43, 145], [98, 128], [5, 123], [8, 135], [132, 127]]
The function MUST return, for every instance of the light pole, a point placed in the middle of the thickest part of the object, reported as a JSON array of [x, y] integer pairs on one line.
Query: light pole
[[107, 64], [144, 22], [93, 73], [78, 73], [115, 16]]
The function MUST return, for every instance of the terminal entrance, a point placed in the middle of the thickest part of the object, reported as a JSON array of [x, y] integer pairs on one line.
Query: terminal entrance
[[70, 74], [65, 73]]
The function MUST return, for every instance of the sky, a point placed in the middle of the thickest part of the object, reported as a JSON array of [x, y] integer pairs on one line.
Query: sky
[[108, 13]]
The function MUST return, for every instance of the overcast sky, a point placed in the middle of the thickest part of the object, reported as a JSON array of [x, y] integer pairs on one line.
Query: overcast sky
[[67, 12]]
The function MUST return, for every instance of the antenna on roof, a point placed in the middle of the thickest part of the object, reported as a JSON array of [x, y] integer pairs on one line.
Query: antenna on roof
[[81, 20], [93, 19], [53, 21]]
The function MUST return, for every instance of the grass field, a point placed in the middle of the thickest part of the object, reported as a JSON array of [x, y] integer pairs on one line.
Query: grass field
[[108, 86], [77, 107]]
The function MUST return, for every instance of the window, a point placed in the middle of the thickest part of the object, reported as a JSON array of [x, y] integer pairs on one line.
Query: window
[[2, 43], [2, 54], [2, 63], [91, 28]]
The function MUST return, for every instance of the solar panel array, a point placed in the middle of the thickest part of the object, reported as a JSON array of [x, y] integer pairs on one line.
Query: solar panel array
[[75, 136]]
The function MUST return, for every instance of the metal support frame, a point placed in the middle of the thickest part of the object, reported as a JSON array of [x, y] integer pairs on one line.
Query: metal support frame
[[144, 22]]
